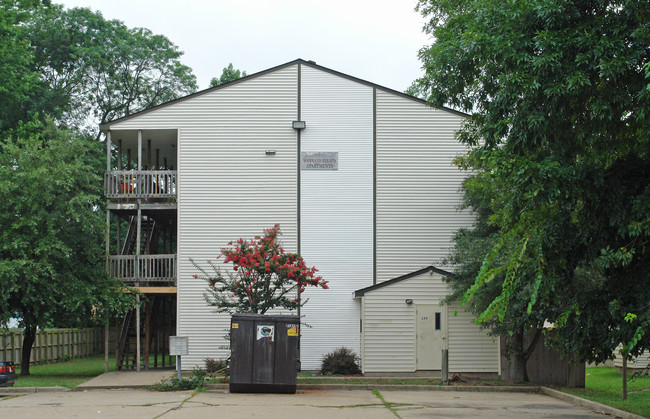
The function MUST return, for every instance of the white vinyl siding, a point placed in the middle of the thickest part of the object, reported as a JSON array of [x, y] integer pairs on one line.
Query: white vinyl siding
[[642, 361], [336, 209], [228, 187], [389, 335], [471, 349], [417, 185]]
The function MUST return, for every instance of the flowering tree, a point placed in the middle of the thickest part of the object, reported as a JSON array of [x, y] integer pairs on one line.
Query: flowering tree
[[263, 276]]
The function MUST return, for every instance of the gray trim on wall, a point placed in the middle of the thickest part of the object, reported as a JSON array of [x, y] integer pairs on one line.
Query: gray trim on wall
[[298, 148], [363, 291], [298, 235], [374, 186]]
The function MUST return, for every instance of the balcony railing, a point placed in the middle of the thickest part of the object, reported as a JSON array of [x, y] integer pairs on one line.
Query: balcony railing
[[143, 268], [140, 184]]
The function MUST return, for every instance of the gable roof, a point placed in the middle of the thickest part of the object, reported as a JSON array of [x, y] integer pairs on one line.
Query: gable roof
[[362, 291], [312, 64]]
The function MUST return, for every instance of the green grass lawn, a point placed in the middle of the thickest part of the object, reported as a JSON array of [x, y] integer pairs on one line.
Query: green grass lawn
[[66, 374], [604, 385]]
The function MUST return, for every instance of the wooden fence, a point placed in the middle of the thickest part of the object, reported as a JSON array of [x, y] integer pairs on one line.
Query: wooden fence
[[52, 344], [547, 366]]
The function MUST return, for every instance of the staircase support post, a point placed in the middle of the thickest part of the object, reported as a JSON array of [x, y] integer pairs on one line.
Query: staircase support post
[[108, 236], [117, 345], [108, 151], [137, 259], [147, 333], [137, 332], [106, 347]]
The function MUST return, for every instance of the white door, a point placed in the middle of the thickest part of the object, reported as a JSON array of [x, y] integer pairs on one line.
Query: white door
[[430, 324]]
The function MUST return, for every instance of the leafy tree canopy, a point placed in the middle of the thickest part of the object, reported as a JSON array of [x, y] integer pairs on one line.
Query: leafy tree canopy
[[17, 78], [52, 231], [559, 143], [229, 74], [95, 70]]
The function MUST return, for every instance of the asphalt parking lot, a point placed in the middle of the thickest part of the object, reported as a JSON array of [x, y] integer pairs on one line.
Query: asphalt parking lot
[[311, 404]]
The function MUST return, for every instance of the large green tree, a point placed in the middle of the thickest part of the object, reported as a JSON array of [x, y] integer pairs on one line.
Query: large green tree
[[52, 233], [471, 246], [94, 70], [75, 69], [559, 99], [17, 78]]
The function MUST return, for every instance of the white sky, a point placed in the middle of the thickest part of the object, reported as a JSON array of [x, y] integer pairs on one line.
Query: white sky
[[377, 41]]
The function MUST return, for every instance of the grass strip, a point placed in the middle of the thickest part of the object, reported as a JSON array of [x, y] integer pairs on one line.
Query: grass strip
[[604, 385], [67, 374]]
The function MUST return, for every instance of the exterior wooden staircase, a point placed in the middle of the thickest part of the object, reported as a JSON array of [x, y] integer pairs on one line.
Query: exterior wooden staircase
[[127, 339]]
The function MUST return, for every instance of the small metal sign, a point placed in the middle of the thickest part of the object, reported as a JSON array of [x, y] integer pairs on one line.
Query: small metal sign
[[319, 161], [178, 345]]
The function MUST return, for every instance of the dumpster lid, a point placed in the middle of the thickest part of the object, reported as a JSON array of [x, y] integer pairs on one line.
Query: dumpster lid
[[265, 317]]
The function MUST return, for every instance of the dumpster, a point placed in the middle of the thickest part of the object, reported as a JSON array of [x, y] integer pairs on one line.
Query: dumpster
[[264, 353]]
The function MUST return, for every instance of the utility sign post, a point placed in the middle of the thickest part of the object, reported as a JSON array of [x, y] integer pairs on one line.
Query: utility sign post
[[178, 346]]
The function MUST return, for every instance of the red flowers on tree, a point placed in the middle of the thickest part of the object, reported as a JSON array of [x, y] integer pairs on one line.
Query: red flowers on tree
[[263, 277]]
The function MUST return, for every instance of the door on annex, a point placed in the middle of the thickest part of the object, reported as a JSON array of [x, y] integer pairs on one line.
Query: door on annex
[[430, 325]]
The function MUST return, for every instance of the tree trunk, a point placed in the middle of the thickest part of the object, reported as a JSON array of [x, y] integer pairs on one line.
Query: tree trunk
[[518, 362], [520, 356], [529, 352], [28, 342], [624, 377]]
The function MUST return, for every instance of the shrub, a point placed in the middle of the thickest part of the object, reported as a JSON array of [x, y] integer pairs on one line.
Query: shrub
[[263, 276], [194, 381], [341, 361], [213, 366]]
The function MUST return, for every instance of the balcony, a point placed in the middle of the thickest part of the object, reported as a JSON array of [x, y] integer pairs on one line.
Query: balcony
[[143, 268], [140, 184]]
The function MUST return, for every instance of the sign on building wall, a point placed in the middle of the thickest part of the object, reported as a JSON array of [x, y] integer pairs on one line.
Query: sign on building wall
[[319, 161]]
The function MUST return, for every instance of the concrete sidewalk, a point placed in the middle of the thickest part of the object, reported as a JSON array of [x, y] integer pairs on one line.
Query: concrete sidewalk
[[131, 403], [127, 379], [443, 396]]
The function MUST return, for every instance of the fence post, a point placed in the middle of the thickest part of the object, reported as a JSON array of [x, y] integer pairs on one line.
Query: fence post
[[19, 354]]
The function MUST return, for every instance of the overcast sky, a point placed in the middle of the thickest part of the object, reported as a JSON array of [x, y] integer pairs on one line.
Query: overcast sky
[[374, 40]]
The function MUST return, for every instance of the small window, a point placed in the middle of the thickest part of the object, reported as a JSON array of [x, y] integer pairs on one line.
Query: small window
[[438, 321]]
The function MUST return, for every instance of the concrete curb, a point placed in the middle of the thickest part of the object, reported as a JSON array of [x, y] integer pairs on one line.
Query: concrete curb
[[403, 387], [406, 387], [25, 390], [589, 404], [113, 387]]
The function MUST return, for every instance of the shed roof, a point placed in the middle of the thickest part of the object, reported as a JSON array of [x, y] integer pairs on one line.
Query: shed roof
[[106, 126], [362, 291]]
